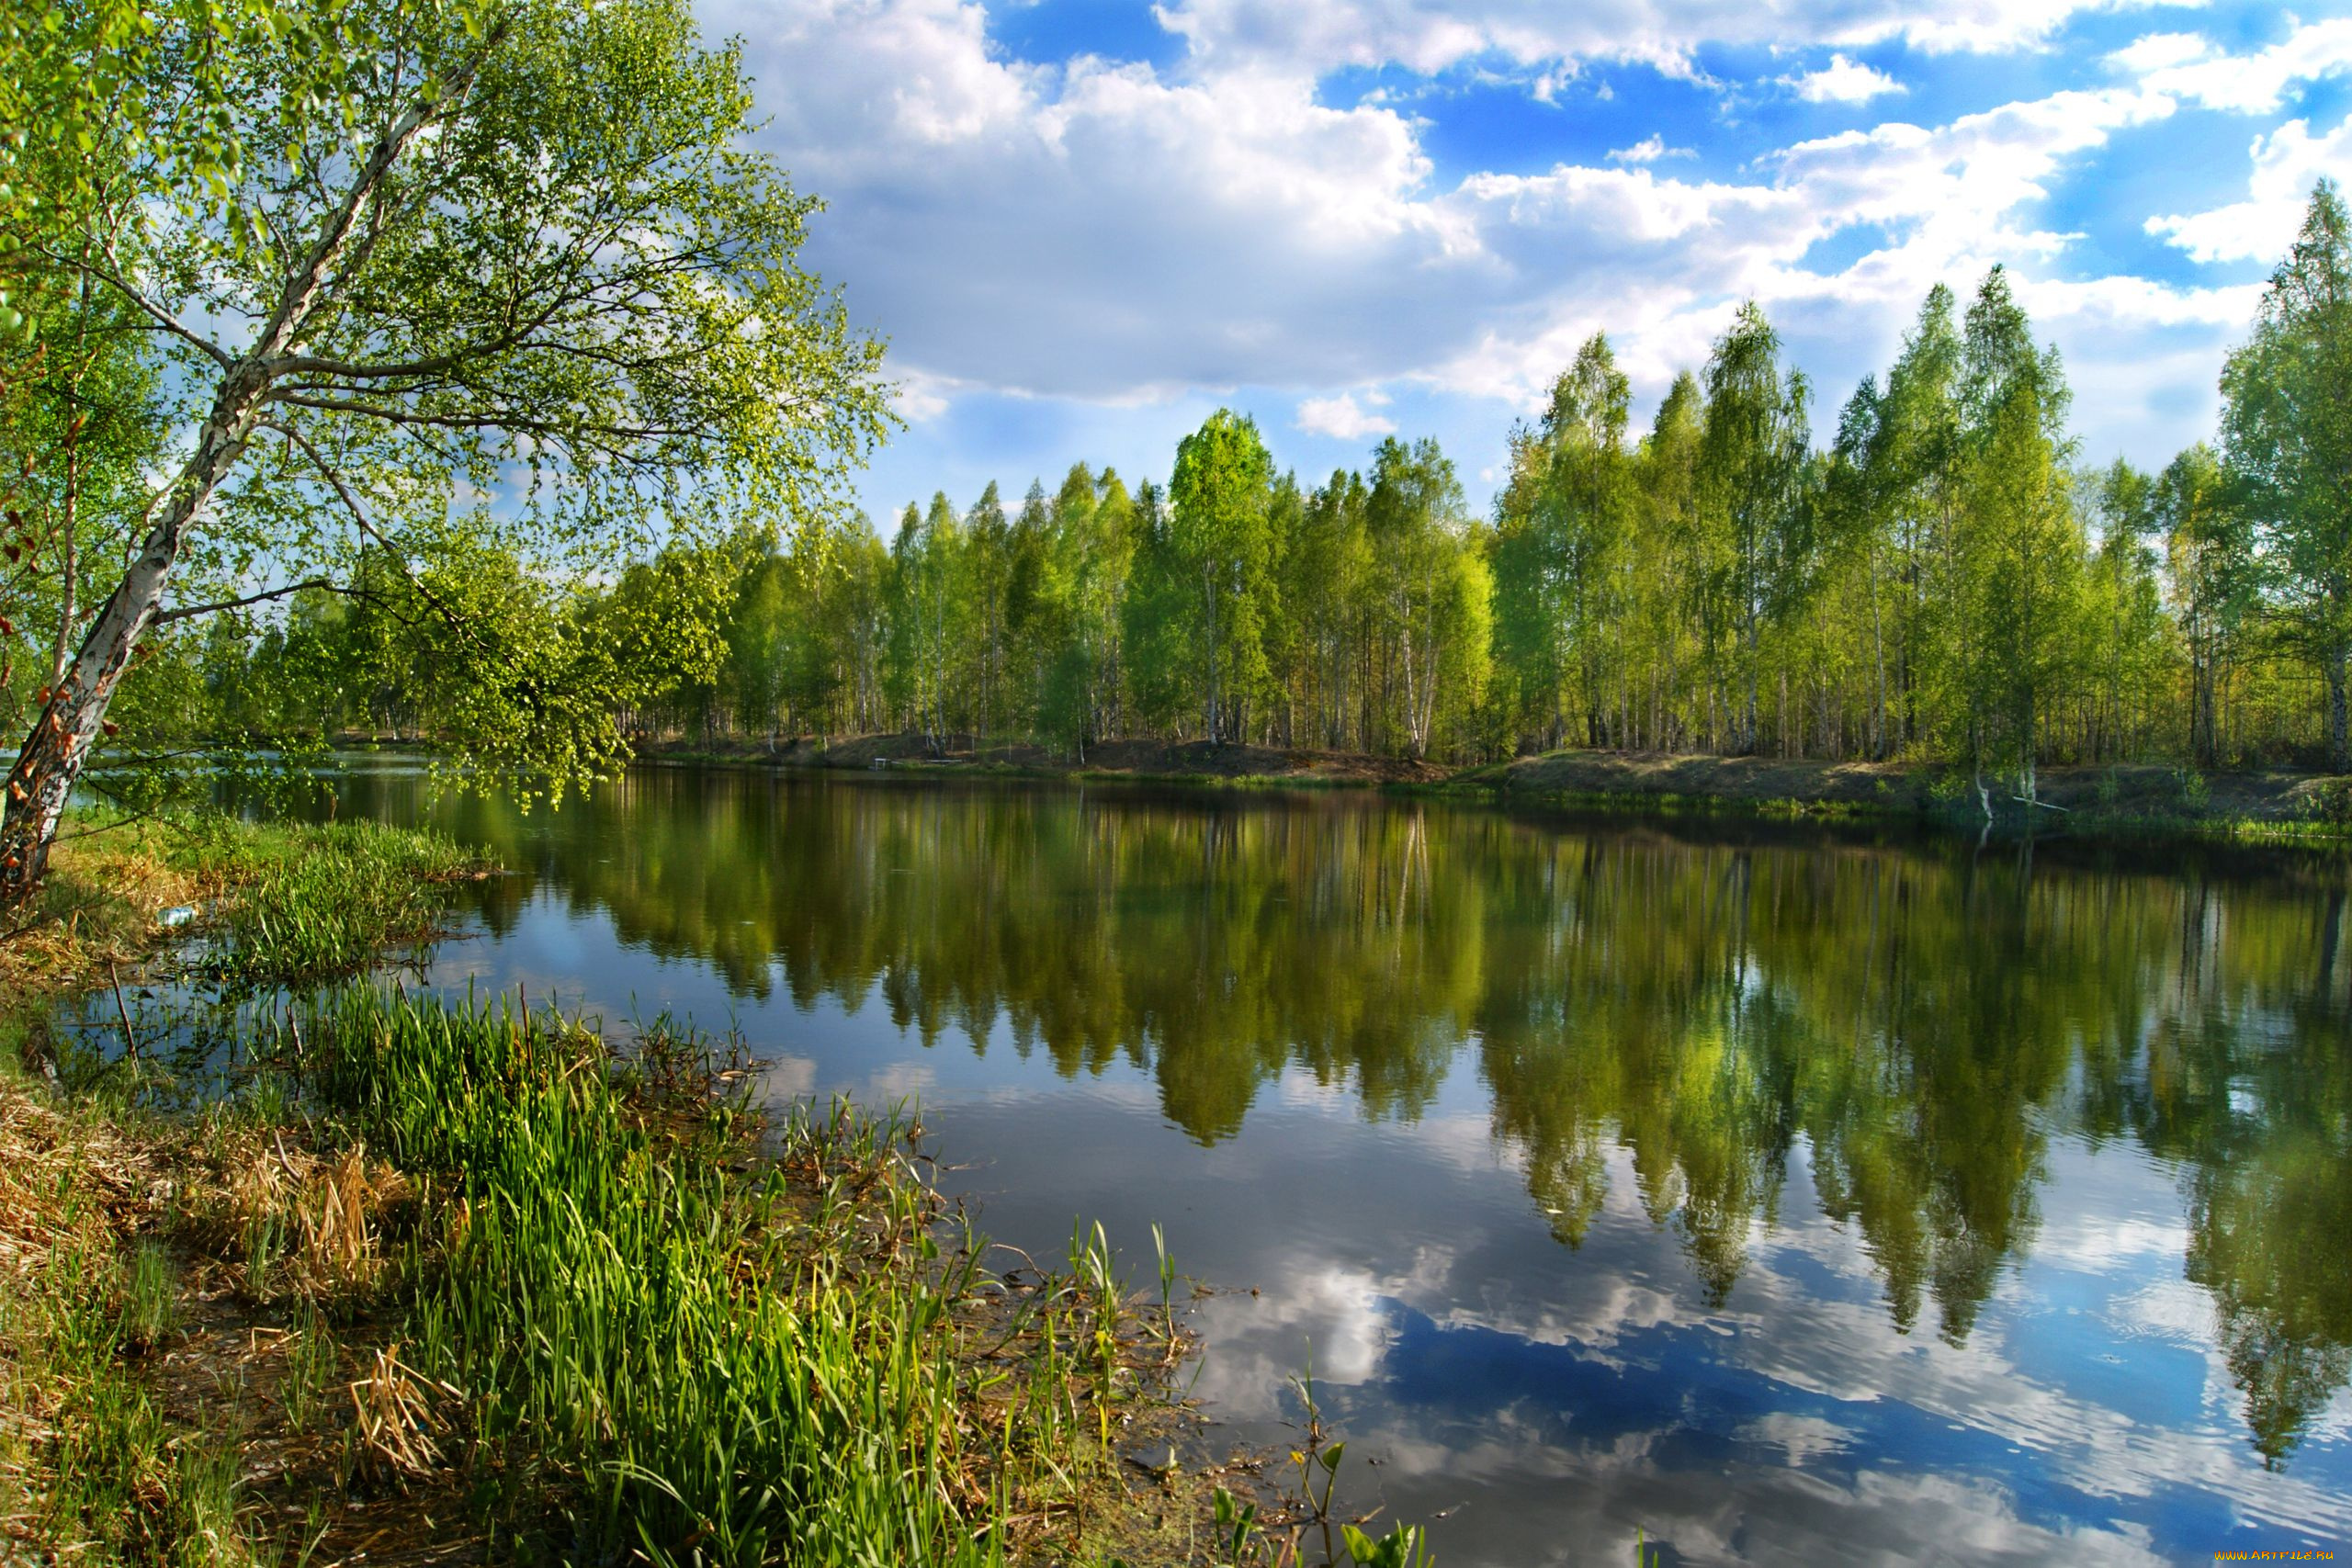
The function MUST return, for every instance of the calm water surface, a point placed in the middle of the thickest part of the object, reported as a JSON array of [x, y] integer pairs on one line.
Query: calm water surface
[[1789, 1197]]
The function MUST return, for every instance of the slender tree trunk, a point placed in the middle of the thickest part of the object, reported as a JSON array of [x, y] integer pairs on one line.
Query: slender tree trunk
[[54, 754], [2339, 735], [2025, 755], [1878, 655], [1747, 719], [1208, 591]]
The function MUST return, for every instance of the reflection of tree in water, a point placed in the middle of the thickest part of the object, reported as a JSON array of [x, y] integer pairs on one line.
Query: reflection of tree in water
[[2247, 1085], [2269, 1238], [1924, 1021], [1705, 1007]]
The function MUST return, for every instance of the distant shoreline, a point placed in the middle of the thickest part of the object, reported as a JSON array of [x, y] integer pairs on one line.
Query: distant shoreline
[[2137, 799]]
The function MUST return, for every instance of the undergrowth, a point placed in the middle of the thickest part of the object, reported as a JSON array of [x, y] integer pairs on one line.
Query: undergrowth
[[714, 1358]]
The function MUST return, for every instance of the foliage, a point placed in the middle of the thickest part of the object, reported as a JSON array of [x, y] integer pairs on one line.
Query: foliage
[[449, 308], [2286, 434], [1943, 582], [1219, 497]]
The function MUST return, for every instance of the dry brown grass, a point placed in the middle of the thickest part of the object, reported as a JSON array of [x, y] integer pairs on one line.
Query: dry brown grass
[[302, 1221], [394, 1418], [81, 1189], [107, 891], [69, 1180]]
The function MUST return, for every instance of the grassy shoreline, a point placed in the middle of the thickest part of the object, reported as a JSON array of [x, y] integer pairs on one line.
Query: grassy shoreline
[[446, 1280]]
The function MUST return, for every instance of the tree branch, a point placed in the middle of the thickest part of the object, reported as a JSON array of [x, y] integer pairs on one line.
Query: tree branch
[[350, 499], [489, 420], [186, 612], [302, 289], [162, 317]]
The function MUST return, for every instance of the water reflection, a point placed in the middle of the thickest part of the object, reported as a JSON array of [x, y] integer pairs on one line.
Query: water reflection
[[1802, 1062]]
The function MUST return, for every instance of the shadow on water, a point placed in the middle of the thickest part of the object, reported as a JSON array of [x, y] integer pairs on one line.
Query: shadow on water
[[1781, 1189]]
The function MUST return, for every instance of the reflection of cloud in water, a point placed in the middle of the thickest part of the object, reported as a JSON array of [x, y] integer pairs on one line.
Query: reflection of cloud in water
[[2172, 1310], [1333, 1317], [1608, 1308], [1800, 1438], [2022, 1454], [1848, 1353], [899, 1080], [1128, 1097], [787, 1077], [1467, 1142], [1782, 1510], [1298, 1090], [2096, 1248]]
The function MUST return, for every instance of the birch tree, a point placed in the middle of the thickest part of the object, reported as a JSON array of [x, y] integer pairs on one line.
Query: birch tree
[[2287, 435], [1752, 469], [1569, 513], [475, 268], [1217, 499], [2019, 556], [2208, 553]]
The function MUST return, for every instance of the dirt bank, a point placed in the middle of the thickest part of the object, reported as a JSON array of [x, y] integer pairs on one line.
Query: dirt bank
[[2148, 793], [2125, 797]]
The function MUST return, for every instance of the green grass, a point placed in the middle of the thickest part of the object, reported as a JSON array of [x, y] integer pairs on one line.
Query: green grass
[[707, 1359], [101, 1467], [2306, 832], [320, 902], [283, 904], [1638, 803], [1956, 815]]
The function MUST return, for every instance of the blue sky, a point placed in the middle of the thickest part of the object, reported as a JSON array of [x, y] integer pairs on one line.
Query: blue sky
[[1083, 226]]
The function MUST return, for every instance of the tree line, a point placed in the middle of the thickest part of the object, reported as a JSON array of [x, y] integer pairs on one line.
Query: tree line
[[1942, 580]]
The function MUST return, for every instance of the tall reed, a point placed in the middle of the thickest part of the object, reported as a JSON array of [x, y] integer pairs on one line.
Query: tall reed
[[719, 1373], [316, 903]]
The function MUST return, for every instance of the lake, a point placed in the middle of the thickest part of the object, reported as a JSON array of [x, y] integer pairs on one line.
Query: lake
[[1782, 1193]]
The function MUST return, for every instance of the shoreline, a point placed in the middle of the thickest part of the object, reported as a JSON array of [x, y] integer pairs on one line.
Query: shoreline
[[2140, 801]]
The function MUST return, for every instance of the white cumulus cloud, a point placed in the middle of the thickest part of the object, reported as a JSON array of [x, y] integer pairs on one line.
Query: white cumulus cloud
[[1842, 81], [1314, 37], [2286, 163], [2247, 84], [2156, 52], [1649, 150], [1341, 418]]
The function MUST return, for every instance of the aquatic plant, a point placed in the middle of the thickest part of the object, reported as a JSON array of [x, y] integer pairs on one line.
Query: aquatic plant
[[728, 1361], [319, 903]]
